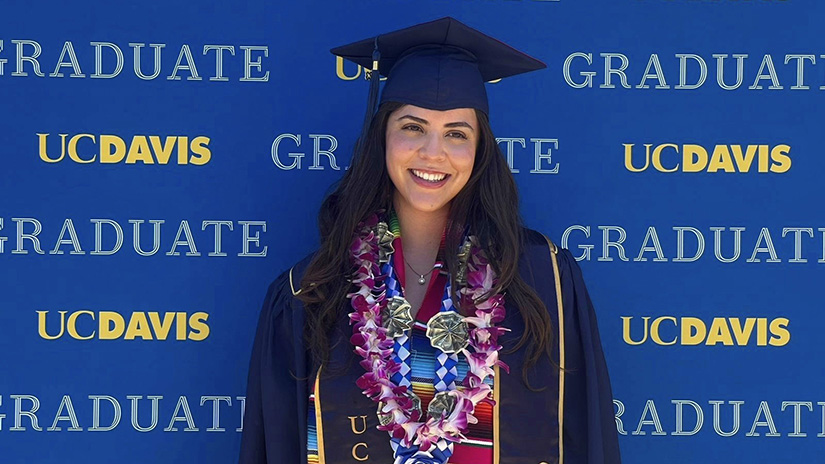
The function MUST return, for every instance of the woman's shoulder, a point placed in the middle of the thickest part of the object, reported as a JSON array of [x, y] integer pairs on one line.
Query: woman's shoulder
[[538, 248], [282, 291]]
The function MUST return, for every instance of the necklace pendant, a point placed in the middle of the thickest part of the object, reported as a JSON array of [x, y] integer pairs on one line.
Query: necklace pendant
[[421, 280]]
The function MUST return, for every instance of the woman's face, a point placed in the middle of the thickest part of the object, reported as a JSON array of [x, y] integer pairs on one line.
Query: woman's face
[[430, 155]]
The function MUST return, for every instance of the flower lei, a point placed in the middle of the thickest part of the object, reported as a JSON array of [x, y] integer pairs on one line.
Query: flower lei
[[375, 347]]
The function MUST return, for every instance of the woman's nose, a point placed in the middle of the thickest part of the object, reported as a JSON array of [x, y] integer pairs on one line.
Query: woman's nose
[[432, 146]]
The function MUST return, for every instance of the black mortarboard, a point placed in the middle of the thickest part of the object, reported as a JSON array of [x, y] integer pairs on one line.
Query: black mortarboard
[[439, 65]]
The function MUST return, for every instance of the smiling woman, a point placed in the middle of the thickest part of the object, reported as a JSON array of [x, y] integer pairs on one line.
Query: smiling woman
[[388, 367]]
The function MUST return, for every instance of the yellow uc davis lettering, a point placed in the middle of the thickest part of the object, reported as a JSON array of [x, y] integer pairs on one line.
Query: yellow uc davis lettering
[[110, 325], [112, 149], [727, 331], [670, 157]]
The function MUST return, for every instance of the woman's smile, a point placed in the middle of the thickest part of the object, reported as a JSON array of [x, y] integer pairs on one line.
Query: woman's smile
[[429, 179]]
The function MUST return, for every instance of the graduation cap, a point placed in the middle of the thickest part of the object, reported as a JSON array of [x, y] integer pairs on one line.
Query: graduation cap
[[438, 65]]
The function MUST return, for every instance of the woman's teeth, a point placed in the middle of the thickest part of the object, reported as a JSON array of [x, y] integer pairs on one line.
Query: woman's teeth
[[428, 176]]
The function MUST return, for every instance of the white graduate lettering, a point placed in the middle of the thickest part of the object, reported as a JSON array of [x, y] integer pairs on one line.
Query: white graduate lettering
[[822, 433], [66, 403], [219, 49], [242, 400], [764, 236], [735, 422], [68, 48], [187, 417], [717, 243], [22, 58], [618, 415], [328, 152], [607, 243], [68, 226], [797, 416], [99, 74], [3, 61], [108, 59], [609, 70], [720, 70], [565, 238], [154, 421], [797, 231], [689, 249], [659, 75], [156, 237], [508, 149], [109, 236], [107, 413], [217, 251], [137, 67], [296, 157], [2, 238], [680, 244], [765, 410], [579, 70], [186, 53], [19, 413], [588, 75], [767, 62], [249, 63], [822, 260], [656, 247], [650, 407], [189, 242], [544, 156], [700, 418], [256, 239], [116, 413], [800, 69], [99, 237], [38, 227], [216, 411], [703, 71]]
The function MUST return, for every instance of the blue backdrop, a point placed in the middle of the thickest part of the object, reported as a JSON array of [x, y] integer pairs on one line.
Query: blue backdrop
[[163, 162]]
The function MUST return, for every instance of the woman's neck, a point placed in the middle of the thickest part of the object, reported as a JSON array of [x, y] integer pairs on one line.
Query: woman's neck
[[421, 233]]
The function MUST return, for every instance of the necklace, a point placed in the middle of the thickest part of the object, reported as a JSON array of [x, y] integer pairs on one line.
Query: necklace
[[416, 438], [395, 228], [421, 279]]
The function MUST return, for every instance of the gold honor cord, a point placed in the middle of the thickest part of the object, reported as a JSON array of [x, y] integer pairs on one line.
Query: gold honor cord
[[553, 252], [291, 286], [319, 428], [496, 406]]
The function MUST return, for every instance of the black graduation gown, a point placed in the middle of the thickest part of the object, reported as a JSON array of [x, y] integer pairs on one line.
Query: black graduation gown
[[281, 378]]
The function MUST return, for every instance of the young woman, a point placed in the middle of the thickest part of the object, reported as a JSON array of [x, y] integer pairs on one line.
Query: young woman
[[430, 326]]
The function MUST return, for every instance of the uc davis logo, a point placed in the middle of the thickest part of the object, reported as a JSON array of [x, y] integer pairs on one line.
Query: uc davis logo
[[110, 325], [727, 331], [670, 157], [111, 149]]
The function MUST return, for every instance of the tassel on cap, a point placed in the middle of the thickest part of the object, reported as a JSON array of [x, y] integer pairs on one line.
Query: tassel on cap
[[372, 98]]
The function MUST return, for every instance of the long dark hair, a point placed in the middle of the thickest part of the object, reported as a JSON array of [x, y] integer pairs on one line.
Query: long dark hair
[[486, 203]]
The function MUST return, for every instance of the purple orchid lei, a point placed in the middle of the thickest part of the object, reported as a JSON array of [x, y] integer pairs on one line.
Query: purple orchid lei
[[373, 344]]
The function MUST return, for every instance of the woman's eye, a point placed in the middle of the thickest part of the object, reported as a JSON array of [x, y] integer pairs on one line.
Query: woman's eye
[[412, 127], [457, 134]]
